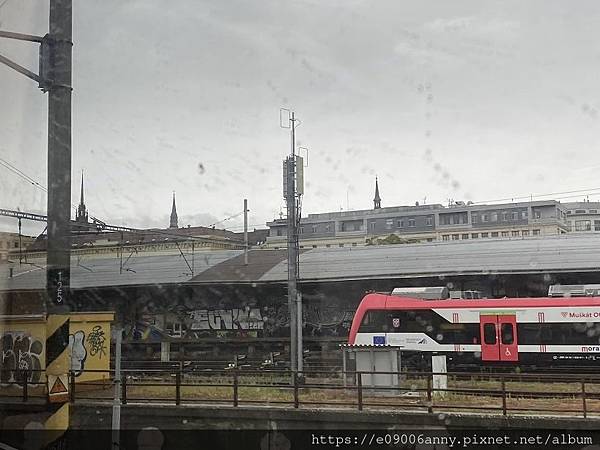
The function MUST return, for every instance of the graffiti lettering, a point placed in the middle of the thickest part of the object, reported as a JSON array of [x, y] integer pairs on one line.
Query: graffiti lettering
[[19, 353], [227, 319], [96, 341]]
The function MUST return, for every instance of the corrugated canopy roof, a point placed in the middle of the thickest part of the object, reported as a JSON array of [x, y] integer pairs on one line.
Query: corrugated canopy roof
[[570, 253]]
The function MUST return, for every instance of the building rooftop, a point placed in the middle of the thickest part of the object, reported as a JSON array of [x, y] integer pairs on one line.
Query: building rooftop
[[565, 253], [416, 209]]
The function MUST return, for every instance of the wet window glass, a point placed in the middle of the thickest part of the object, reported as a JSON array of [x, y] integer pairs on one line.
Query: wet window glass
[[489, 333], [506, 331]]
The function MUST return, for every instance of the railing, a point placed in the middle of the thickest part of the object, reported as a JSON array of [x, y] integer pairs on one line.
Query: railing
[[242, 363], [499, 393], [19, 382]]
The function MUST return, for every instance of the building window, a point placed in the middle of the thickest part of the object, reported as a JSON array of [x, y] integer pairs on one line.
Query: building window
[[494, 234], [580, 211], [597, 225], [354, 244], [465, 236], [537, 214], [411, 222], [301, 230], [327, 245], [278, 231], [525, 233], [429, 239], [524, 214], [455, 237], [372, 226], [314, 246], [583, 225], [504, 216], [593, 211], [515, 215], [400, 223], [328, 227], [515, 233], [485, 218], [536, 232], [445, 237], [474, 217], [494, 217], [505, 234], [429, 221], [314, 228], [444, 219], [389, 223], [569, 212], [474, 235], [16, 245], [340, 245], [484, 235]]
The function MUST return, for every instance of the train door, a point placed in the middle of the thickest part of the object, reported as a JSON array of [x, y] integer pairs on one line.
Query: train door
[[499, 337]]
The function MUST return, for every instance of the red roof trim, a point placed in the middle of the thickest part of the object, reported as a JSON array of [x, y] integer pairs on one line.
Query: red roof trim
[[393, 302]]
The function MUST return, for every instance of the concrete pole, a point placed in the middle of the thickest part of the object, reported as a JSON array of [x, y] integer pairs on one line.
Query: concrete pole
[[58, 274], [245, 232]]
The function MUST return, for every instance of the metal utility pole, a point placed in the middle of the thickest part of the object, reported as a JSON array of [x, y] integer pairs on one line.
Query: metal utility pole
[[58, 274], [245, 232], [292, 165], [55, 63]]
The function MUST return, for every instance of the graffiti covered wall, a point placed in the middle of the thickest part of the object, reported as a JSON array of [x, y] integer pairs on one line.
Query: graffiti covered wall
[[22, 348], [158, 316], [89, 344]]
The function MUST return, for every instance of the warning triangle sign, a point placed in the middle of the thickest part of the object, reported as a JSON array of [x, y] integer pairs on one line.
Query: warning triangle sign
[[59, 387], [58, 390]]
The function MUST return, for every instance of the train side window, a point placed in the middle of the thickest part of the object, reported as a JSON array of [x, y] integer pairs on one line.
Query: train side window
[[507, 333], [489, 333]]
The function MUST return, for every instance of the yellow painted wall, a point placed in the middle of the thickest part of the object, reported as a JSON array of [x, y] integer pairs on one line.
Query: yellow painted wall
[[23, 342], [89, 342]]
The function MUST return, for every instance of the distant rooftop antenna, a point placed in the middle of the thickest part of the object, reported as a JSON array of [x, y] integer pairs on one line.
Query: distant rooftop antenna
[[348, 199]]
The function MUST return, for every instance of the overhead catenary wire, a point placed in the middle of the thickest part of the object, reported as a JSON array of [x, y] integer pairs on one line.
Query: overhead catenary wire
[[226, 219], [26, 177], [530, 196], [22, 174]]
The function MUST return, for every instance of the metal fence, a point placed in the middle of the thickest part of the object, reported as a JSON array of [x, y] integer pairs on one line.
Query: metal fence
[[499, 393]]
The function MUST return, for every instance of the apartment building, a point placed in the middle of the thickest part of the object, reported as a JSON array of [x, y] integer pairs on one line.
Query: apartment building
[[428, 223], [583, 216]]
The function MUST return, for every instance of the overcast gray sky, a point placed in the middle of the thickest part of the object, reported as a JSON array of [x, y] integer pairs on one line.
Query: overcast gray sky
[[471, 100]]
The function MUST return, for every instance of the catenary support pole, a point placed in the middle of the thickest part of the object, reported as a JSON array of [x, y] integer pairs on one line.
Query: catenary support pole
[[58, 275]]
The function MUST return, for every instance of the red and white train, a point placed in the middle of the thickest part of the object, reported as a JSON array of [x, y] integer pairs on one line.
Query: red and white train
[[514, 331]]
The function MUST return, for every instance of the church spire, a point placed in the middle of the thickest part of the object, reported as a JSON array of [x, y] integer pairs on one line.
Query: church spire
[[173, 223], [82, 214], [377, 199]]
